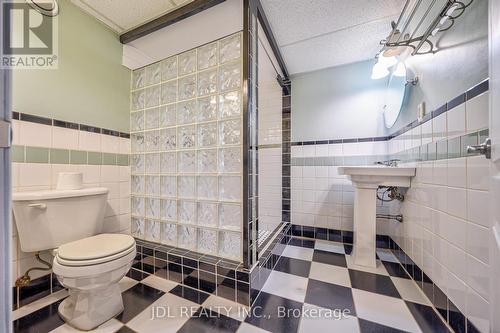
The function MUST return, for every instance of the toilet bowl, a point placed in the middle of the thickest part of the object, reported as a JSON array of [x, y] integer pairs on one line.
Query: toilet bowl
[[91, 268], [68, 221]]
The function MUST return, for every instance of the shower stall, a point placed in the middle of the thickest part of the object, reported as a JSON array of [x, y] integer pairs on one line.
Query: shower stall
[[209, 135]]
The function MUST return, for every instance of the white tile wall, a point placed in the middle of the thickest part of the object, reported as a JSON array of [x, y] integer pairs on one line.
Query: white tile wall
[[35, 176], [446, 219], [320, 196]]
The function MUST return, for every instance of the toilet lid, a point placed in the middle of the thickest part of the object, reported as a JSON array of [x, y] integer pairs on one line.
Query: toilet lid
[[95, 247]]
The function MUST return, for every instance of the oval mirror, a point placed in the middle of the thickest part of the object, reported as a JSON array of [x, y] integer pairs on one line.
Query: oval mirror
[[394, 95]]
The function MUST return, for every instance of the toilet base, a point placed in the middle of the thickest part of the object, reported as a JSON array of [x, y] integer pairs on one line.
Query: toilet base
[[85, 310]]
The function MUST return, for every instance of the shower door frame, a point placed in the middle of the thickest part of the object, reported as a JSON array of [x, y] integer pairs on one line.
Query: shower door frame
[[253, 9]]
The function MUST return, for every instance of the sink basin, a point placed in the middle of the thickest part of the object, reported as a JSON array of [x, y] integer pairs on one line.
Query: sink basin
[[366, 180], [379, 175]]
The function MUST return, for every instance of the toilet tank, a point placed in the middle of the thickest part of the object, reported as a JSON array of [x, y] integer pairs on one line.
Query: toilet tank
[[47, 219]]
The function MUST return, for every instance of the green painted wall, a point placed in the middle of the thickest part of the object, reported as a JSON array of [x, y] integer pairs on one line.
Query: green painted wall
[[90, 86]]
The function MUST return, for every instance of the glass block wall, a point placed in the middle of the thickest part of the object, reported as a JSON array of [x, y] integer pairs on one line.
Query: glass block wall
[[186, 162]]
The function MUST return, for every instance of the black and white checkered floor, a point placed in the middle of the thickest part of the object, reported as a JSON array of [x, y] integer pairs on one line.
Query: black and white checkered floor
[[312, 283]]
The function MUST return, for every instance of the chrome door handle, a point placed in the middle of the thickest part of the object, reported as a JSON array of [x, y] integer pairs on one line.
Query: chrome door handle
[[483, 149], [38, 205]]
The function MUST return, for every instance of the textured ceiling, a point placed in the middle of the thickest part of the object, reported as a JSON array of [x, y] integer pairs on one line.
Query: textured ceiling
[[123, 15], [316, 34]]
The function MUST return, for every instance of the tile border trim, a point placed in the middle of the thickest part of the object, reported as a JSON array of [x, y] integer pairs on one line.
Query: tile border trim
[[475, 91], [21, 154], [66, 124]]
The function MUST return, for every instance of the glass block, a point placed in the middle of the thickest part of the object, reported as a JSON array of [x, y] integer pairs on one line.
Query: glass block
[[152, 139], [230, 188], [186, 237], [187, 63], [137, 206], [230, 216], [187, 87], [169, 92], [207, 134], [230, 105], [137, 228], [207, 187], [169, 210], [207, 108], [230, 132], [138, 98], [137, 142], [138, 78], [152, 232], [152, 163], [187, 161], [152, 96], [230, 159], [186, 187], [137, 121], [230, 48], [207, 56], [169, 69], [207, 82], [229, 245], [169, 234], [207, 213], [168, 138], [186, 212], [230, 76], [137, 163], [207, 161], [152, 118], [186, 136], [152, 186], [152, 208], [168, 162], [137, 184], [168, 115], [186, 112], [168, 186], [207, 241], [153, 74]]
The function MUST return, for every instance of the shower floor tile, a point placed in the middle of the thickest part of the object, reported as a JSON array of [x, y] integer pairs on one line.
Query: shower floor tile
[[314, 288]]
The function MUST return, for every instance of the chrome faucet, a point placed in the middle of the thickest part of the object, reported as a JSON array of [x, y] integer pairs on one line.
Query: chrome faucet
[[389, 163]]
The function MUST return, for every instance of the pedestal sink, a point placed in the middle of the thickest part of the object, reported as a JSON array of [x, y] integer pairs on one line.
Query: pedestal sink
[[366, 180]]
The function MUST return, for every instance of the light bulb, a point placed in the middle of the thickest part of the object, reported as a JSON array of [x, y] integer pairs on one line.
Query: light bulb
[[387, 61], [379, 71], [400, 70]]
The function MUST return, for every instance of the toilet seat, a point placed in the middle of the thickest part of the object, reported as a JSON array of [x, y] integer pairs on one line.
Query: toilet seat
[[94, 255]]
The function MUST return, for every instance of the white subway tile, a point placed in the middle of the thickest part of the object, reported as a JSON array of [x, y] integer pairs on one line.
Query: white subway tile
[[89, 141], [478, 242], [64, 138], [124, 146], [16, 132], [439, 130], [33, 134], [478, 173], [477, 211], [477, 110], [110, 144], [456, 202], [457, 172], [34, 174], [456, 121]]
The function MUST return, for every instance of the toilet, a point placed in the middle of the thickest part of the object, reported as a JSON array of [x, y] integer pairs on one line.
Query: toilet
[[68, 221]]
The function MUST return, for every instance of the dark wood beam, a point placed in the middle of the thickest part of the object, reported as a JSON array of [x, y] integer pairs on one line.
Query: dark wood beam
[[175, 16]]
